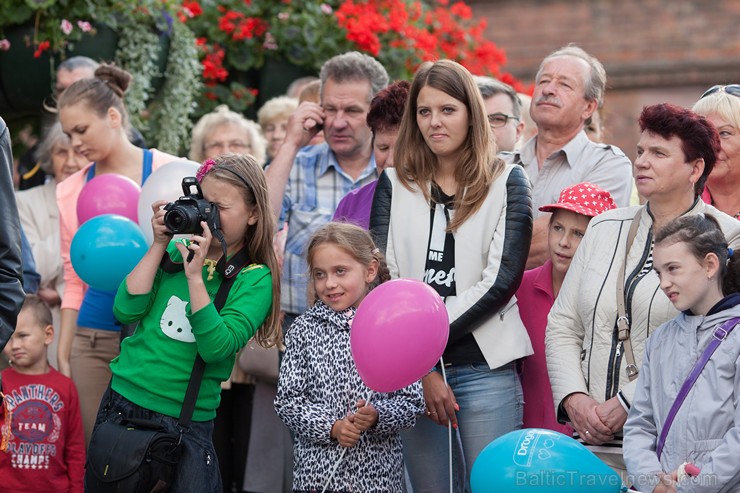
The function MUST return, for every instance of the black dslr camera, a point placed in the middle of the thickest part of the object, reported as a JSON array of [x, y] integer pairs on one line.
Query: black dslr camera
[[185, 214]]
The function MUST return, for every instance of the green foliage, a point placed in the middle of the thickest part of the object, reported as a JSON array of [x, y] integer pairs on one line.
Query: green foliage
[[154, 45], [171, 114], [138, 53]]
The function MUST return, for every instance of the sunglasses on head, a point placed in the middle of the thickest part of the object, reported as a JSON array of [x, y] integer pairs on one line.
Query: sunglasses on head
[[732, 89]]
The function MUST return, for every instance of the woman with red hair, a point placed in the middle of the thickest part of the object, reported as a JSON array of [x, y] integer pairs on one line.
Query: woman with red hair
[[610, 300]]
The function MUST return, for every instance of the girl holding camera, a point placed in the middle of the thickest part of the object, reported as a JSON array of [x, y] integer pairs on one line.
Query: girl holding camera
[[177, 318], [93, 114]]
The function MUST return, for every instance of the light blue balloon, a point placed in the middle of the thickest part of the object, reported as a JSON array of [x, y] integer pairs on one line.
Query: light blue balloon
[[534, 460], [105, 249]]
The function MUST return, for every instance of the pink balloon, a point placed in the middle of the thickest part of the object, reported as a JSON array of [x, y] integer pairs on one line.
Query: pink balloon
[[398, 334], [109, 193]]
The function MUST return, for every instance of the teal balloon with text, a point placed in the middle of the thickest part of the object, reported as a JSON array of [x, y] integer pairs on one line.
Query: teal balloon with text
[[535, 460]]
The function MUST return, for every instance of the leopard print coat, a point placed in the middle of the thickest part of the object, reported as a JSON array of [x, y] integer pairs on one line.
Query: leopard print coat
[[319, 384]]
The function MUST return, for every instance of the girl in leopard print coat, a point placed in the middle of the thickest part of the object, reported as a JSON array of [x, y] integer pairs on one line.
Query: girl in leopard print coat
[[320, 394]]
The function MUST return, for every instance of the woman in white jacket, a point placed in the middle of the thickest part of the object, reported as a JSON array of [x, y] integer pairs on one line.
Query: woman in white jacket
[[700, 276], [587, 353], [455, 216]]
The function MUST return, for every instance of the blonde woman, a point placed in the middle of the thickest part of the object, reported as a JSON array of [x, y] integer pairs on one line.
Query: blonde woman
[[222, 131]]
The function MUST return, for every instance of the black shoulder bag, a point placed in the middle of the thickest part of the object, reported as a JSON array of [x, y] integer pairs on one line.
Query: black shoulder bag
[[139, 456]]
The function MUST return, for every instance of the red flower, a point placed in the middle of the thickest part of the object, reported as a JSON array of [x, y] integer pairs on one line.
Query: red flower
[[213, 65], [190, 10], [226, 23], [401, 33], [42, 47], [249, 28], [461, 10], [398, 16]]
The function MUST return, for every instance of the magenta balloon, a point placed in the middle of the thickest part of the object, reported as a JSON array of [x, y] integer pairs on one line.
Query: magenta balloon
[[399, 333], [109, 193]]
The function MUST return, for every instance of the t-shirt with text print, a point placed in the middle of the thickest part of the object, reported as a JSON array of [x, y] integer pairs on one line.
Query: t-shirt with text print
[[46, 447]]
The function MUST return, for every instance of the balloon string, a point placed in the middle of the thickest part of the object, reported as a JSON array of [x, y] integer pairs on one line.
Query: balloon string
[[344, 451], [449, 422]]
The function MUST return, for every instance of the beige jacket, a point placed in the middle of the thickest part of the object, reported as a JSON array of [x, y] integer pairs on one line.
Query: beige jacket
[[583, 351], [39, 215]]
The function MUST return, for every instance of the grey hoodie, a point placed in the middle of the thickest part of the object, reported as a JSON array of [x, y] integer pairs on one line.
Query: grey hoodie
[[706, 429]]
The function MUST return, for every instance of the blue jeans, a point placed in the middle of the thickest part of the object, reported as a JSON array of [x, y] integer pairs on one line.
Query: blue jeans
[[198, 467], [491, 404]]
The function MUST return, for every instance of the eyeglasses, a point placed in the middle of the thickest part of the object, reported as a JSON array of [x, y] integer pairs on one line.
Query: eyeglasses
[[233, 145], [732, 89], [498, 120]]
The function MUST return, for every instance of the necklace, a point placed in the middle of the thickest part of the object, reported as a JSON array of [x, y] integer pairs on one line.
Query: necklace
[[211, 264]]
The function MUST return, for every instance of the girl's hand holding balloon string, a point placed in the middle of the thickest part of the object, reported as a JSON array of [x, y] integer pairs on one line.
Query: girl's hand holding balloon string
[[345, 432], [366, 416]]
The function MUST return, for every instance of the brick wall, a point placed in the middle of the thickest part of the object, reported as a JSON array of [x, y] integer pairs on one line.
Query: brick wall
[[653, 51]]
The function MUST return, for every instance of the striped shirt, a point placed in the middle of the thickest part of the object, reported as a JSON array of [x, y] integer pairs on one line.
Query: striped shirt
[[316, 185]]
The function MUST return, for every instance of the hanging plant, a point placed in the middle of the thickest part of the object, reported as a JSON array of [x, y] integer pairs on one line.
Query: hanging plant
[[138, 53], [154, 46], [171, 113]]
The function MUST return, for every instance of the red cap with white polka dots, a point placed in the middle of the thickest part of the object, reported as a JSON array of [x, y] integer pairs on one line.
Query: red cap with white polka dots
[[583, 198]]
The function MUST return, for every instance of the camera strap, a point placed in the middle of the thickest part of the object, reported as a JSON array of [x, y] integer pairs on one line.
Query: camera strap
[[227, 268], [199, 366]]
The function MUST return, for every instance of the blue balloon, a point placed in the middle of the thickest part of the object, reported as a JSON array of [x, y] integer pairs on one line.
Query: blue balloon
[[105, 249], [534, 460]]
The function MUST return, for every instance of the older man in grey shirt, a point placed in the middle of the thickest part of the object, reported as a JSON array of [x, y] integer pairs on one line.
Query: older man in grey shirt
[[569, 87]]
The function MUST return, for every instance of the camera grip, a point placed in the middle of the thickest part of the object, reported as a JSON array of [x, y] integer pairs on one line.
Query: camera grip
[[191, 253]]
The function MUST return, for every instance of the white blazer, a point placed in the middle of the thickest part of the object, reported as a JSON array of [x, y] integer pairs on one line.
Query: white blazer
[[491, 249]]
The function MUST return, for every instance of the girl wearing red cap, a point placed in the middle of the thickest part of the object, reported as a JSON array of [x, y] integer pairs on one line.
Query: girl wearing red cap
[[540, 286]]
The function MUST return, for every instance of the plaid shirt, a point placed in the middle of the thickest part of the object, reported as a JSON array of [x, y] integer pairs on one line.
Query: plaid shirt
[[316, 185]]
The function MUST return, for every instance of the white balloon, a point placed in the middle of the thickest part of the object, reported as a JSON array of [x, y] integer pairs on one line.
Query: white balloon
[[164, 184]]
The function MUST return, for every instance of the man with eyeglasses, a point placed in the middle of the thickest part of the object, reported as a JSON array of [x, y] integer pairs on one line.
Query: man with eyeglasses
[[504, 110], [569, 87]]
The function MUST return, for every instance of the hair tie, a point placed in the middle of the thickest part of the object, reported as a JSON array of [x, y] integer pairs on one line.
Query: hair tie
[[375, 251], [730, 251], [207, 165]]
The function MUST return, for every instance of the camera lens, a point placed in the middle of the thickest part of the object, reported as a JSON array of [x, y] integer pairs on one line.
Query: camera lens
[[177, 220]]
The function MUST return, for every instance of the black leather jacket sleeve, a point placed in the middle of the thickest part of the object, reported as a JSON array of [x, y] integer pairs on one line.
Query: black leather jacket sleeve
[[513, 259], [11, 277], [380, 212]]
